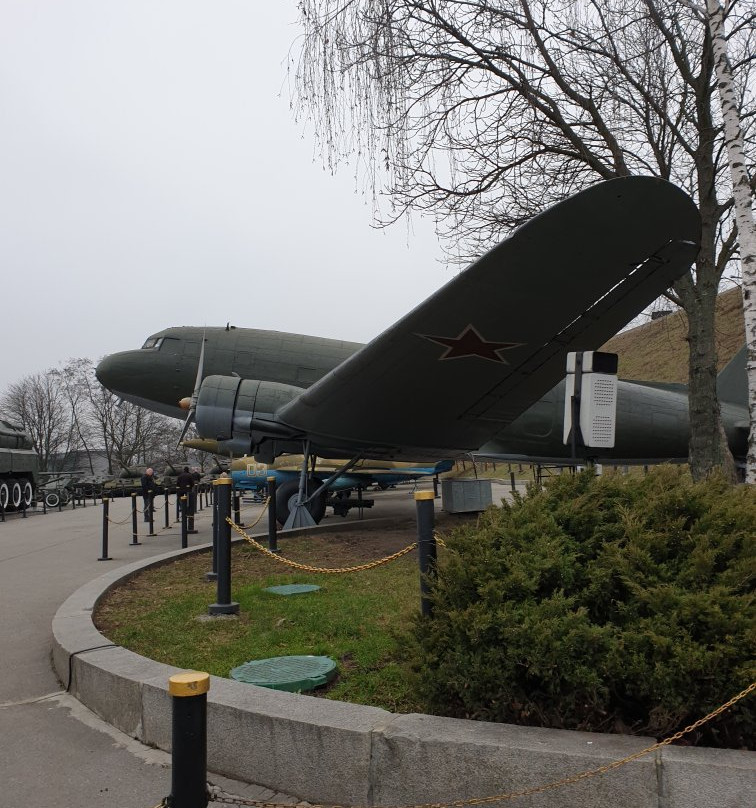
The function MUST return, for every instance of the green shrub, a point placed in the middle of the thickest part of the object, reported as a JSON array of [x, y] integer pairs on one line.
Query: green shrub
[[613, 603]]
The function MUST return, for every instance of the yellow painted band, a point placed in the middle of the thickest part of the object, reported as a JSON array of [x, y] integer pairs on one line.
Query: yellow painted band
[[223, 481], [271, 478], [424, 495], [192, 683]]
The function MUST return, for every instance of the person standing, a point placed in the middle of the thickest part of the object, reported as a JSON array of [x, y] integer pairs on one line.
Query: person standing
[[149, 487], [185, 488]]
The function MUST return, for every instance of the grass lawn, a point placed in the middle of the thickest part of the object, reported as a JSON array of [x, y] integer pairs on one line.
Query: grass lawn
[[357, 619]]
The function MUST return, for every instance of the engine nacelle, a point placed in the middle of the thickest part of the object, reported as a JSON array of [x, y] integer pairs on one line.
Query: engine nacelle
[[242, 410]]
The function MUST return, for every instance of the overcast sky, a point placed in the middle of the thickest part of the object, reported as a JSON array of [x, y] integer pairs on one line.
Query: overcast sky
[[152, 174]]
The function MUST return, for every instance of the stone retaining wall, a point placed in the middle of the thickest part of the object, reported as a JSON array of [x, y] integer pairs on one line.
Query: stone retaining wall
[[335, 752]]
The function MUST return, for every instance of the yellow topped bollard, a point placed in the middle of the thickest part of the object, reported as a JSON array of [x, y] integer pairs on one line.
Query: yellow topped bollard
[[193, 683], [426, 547], [189, 740]]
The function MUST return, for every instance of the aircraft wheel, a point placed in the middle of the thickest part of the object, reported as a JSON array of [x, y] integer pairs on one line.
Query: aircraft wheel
[[16, 494], [27, 494], [52, 500], [286, 499], [4, 495]]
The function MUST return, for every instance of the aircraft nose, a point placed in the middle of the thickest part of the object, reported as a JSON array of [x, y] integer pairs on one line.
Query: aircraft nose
[[118, 371]]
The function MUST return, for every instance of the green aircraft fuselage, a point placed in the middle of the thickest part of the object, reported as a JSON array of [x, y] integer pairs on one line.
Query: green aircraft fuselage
[[652, 419]]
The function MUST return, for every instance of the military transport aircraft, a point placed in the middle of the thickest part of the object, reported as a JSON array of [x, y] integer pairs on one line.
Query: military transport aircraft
[[452, 375]]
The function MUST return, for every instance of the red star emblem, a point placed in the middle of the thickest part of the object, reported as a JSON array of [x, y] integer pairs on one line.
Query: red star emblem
[[471, 343]]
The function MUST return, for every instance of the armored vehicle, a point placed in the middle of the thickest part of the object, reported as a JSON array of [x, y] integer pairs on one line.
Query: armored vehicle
[[19, 466]]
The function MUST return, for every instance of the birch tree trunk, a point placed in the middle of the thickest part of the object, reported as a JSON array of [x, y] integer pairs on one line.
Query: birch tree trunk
[[741, 193]]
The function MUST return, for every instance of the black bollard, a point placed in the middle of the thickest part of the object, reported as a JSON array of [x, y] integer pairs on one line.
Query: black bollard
[[2, 512], [237, 510], [152, 514], [272, 516], [189, 740], [167, 522], [191, 504], [435, 486], [213, 574], [105, 513], [184, 523], [512, 480], [426, 547], [224, 605], [134, 531], [178, 506]]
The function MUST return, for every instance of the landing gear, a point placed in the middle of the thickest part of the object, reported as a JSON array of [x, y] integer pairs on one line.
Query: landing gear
[[4, 496], [305, 506], [287, 496]]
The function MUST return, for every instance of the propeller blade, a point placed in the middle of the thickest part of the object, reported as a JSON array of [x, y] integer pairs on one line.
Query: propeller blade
[[195, 393]]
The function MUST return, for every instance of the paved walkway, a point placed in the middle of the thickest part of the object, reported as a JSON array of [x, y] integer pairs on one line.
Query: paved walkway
[[56, 752]]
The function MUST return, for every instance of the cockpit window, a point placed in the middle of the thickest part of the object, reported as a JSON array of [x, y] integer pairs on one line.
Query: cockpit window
[[153, 342]]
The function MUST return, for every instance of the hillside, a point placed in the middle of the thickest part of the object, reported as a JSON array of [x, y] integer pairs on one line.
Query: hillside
[[658, 351]]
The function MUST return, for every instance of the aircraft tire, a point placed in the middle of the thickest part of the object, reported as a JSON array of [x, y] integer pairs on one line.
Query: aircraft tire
[[286, 493], [4, 495], [52, 500], [16, 495]]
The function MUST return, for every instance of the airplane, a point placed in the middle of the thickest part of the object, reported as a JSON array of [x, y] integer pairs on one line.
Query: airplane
[[451, 376], [250, 475]]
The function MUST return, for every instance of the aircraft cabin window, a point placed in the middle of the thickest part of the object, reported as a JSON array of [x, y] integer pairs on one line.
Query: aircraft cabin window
[[153, 342]]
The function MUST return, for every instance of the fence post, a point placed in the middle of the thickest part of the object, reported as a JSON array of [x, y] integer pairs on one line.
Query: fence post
[[213, 574], [426, 547], [224, 605], [237, 509], [184, 521], [134, 529], [152, 514], [189, 740], [167, 521], [105, 513], [272, 516]]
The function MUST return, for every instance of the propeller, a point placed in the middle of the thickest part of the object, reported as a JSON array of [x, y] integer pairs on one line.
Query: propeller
[[188, 403]]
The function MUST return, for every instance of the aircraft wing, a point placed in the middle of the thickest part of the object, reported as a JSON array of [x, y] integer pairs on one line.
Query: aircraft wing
[[487, 345]]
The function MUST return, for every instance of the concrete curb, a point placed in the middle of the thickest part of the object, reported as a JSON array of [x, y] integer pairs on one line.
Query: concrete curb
[[335, 752]]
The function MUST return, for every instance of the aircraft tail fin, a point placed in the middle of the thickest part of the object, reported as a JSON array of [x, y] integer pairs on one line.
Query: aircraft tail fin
[[732, 382]]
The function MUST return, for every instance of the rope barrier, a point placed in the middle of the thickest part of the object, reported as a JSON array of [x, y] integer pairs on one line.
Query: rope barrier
[[325, 570], [228, 799]]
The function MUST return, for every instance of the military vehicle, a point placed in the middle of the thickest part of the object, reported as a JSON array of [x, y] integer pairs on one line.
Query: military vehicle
[[128, 482], [19, 466]]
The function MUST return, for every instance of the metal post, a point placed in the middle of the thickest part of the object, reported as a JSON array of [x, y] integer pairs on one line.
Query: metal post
[[184, 525], [272, 516], [152, 514], [2, 512], [224, 605], [512, 480], [189, 740], [191, 504], [178, 506], [134, 530], [167, 522], [105, 513], [426, 547], [237, 510], [213, 574]]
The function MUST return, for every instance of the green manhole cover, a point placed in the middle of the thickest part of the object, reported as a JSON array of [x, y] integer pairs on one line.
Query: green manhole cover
[[295, 674], [292, 589]]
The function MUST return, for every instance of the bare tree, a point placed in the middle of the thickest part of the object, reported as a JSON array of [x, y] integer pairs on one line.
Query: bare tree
[[38, 405], [480, 113], [742, 195]]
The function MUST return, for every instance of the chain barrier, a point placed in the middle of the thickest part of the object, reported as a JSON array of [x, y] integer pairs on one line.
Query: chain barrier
[[262, 513], [328, 570], [219, 796]]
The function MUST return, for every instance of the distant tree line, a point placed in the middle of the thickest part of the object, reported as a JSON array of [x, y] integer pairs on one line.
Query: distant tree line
[[66, 411]]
